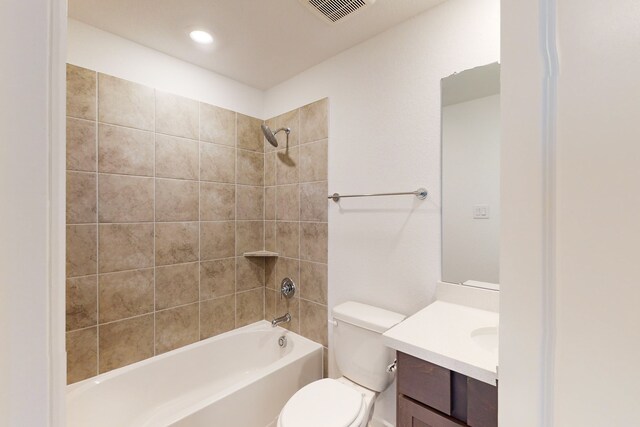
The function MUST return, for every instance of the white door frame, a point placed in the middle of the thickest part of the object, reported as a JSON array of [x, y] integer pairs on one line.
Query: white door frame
[[57, 195]]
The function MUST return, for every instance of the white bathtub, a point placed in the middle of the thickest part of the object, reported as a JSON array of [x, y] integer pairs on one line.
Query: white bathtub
[[238, 379]]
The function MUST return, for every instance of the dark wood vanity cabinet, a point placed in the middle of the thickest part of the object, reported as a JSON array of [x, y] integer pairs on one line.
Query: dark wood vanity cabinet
[[432, 396]]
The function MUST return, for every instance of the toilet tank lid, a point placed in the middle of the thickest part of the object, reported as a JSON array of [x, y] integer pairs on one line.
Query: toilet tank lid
[[365, 316]]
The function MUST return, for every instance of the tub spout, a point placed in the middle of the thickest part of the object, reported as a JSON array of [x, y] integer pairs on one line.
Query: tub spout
[[282, 319]]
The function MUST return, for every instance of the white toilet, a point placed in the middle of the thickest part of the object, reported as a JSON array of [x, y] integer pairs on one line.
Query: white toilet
[[363, 360]]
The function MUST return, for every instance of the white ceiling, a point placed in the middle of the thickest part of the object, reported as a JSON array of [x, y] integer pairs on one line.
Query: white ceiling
[[257, 42]]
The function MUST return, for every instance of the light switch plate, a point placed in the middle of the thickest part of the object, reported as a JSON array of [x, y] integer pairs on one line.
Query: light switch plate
[[481, 212]]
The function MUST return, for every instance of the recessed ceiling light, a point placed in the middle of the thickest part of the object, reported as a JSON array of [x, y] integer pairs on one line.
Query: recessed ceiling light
[[200, 36]]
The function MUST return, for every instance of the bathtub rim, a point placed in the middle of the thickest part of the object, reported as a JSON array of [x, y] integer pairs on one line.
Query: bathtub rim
[[262, 325]]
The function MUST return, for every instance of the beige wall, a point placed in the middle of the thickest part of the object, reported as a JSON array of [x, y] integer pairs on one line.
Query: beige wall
[[296, 219], [164, 195]]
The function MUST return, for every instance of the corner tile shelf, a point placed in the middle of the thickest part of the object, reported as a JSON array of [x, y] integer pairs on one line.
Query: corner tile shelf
[[264, 254]]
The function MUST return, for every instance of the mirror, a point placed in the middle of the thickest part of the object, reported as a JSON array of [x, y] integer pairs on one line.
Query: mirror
[[471, 177]]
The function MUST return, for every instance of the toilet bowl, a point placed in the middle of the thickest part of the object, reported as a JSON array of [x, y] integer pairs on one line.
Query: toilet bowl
[[363, 360], [329, 403]]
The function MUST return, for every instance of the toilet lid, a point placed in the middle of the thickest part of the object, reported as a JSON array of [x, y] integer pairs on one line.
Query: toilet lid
[[323, 403]]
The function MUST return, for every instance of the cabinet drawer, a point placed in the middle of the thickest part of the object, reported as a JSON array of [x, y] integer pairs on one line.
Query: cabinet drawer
[[425, 382], [412, 414], [482, 404]]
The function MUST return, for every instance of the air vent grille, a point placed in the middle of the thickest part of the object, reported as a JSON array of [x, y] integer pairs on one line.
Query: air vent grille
[[336, 10]]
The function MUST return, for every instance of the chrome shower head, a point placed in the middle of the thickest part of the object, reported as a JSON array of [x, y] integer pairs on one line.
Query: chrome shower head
[[271, 135]]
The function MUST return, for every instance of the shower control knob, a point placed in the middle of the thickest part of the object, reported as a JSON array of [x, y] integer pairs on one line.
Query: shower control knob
[[287, 288]]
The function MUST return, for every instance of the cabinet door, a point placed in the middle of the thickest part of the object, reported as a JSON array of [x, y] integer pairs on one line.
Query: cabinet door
[[412, 414], [482, 404], [424, 382]]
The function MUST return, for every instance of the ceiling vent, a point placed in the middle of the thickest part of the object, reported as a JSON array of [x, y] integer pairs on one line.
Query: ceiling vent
[[334, 11]]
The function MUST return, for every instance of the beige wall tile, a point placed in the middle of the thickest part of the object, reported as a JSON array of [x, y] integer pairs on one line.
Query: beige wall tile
[[177, 242], [217, 125], [325, 362], [176, 115], [125, 342], [250, 168], [124, 103], [217, 163], [288, 203], [125, 294], [287, 267], [125, 247], [125, 151], [176, 327], [313, 162], [176, 157], [81, 145], [217, 240], [211, 206], [82, 354], [314, 121], [81, 198], [176, 200], [249, 307], [217, 278], [313, 241], [82, 302], [249, 236], [177, 285], [270, 203], [291, 306], [270, 304], [313, 282], [250, 202], [291, 120], [81, 92], [288, 239], [250, 135], [217, 201], [313, 321], [313, 201], [249, 273], [217, 316], [125, 198], [287, 166], [270, 273], [81, 250], [270, 168], [270, 236]]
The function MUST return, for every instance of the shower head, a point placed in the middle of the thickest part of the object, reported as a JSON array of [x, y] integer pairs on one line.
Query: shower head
[[271, 135]]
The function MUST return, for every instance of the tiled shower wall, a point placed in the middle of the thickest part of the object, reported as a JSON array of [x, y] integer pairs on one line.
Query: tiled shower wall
[[296, 219], [164, 195]]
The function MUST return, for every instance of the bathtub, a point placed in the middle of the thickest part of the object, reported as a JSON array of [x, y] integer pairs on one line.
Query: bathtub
[[241, 378]]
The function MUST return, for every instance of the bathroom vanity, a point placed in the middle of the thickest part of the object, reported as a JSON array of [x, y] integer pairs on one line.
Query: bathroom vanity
[[447, 360], [430, 395]]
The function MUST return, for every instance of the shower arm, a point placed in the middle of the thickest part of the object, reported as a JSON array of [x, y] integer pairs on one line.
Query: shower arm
[[286, 130]]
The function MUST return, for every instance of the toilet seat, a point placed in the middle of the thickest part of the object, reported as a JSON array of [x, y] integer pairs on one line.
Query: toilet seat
[[323, 403]]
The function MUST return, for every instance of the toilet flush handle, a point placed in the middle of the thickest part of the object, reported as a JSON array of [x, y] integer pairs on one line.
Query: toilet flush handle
[[392, 368]]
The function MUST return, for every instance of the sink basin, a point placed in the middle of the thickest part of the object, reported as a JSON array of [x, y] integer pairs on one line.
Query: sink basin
[[486, 338]]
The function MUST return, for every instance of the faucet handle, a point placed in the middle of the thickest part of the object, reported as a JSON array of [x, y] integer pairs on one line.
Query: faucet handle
[[287, 288]]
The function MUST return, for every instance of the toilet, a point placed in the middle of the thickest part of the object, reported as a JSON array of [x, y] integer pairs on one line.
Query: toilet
[[362, 359]]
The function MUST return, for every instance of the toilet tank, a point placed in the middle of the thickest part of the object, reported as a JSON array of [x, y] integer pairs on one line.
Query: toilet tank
[[357, 343]]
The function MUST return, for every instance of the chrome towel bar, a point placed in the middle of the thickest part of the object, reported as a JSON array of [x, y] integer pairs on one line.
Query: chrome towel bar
[[420, 193]]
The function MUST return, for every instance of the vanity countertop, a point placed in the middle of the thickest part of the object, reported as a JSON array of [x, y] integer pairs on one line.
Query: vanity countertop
[[455, 336]]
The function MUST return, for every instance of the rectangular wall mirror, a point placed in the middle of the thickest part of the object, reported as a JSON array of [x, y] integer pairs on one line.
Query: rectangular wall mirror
[[471, 177]]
